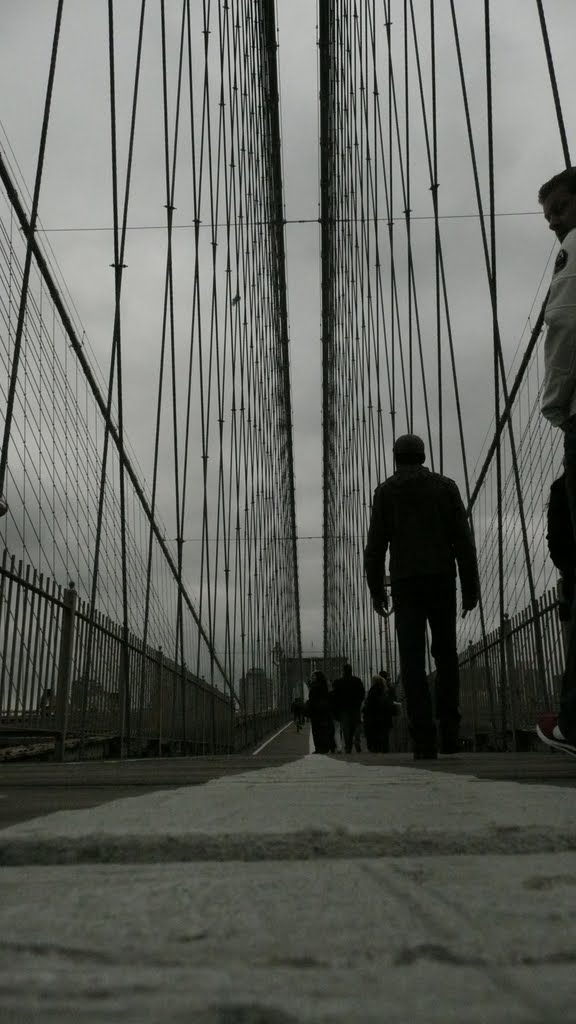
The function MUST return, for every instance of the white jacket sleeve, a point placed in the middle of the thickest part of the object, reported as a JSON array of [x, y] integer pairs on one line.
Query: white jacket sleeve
[[559, 393]]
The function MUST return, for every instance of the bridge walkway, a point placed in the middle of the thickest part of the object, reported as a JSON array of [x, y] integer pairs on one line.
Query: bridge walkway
[[282, 888], [33, 789]]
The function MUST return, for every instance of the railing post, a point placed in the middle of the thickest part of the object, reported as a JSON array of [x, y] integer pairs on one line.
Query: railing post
[[213, 730], [160, 675], [183, 690], [125, 709], [540, 660], [564, 625], [512, 676], [472, 677], [232, 733], [65, 669]]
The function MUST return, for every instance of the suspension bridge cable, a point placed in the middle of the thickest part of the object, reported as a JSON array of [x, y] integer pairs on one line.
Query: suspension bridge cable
[[29, 249], [115, 368], [553, 82]]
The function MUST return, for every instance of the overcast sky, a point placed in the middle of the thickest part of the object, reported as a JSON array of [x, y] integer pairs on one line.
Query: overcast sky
[[76, 194]]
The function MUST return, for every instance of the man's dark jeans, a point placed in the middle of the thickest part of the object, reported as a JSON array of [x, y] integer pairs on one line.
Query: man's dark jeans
[[567, 717], [349, 722], [419, 600]]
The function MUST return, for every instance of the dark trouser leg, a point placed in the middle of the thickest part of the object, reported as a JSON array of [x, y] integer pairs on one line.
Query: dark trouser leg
[[569, 675], [319, 735], [322, 734], [567, 717], [570, 468], [410, 619], [331, 734], [384, 742], [371, 738], [348, 723], [357, 733], [442, 619]]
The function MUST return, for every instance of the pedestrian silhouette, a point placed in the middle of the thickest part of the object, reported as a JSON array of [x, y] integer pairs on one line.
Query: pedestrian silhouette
[[419, 518], [378, 715], [319, 712], [349, 693]]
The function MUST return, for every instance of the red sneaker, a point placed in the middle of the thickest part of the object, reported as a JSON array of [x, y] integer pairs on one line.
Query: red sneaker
[[545, 731]]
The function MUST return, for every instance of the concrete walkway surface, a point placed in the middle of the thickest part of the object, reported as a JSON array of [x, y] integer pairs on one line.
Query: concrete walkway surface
[[315, 891]]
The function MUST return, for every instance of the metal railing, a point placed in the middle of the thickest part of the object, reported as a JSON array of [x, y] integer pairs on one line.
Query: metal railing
[[162, 708], [501, 697], [502, 692]]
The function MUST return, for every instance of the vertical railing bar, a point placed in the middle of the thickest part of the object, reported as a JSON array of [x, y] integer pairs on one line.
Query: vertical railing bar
[[4, 695], [51, 643], [27, 625], [96, 636], [77, 683], [546, 610], [44, 648], [16, 638], [42, 710], [58, 613]]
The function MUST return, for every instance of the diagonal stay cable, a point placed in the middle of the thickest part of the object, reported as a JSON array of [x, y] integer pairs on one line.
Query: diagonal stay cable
[[29, 249]]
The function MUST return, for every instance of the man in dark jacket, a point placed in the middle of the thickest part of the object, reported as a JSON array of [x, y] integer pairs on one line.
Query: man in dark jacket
[[419, 516], [348, 697]]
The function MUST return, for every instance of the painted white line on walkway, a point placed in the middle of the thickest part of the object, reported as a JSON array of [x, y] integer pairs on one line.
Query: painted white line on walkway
[[254, 752]]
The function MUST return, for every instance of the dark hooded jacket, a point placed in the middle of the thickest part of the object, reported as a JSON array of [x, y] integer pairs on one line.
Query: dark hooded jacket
[[420, 517]]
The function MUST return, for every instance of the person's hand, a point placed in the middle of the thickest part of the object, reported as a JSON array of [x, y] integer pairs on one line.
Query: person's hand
[[469, 601], [380, 605]]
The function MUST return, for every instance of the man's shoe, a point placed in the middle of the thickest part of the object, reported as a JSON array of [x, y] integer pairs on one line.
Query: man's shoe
[[547, 730]]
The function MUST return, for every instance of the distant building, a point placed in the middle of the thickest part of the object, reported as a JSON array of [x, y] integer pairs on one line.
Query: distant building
[[256, 691], [298, 671]]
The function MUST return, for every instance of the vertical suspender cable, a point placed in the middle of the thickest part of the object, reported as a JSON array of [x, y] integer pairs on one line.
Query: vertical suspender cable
[[118, 267], [434, 189], [493, 289], [388, 25], [407, 212], [326, 236], [170, 184], [504, 419], [281, 290], [118, 273]]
